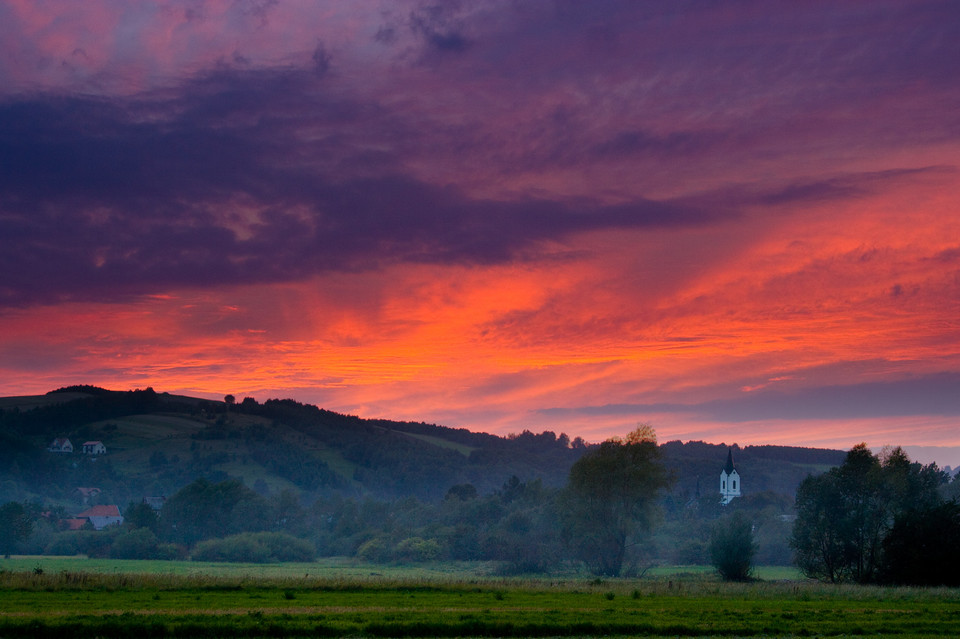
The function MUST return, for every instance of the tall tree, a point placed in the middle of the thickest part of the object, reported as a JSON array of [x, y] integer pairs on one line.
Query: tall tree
[[611, 500], [141, 515], [820, 540], [844, 515], [923, 547], [15, 526], [202, 510]]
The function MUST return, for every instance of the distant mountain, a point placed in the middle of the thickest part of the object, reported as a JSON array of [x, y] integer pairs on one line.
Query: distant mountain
[[157, 443]]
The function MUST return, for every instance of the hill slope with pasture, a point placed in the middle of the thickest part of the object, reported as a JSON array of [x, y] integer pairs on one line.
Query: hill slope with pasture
[[156, 443]]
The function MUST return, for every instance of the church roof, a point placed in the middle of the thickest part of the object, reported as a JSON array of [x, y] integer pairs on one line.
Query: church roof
[[729, 468]]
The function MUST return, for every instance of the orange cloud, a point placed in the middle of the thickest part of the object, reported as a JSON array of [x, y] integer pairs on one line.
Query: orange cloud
[[627, 319], [381, 212]]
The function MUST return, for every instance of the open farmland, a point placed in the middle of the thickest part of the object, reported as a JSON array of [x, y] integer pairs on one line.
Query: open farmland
[[153, 604]]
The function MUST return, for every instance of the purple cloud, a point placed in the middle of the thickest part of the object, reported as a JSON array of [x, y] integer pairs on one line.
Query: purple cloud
[[935, 394], [112, 197]]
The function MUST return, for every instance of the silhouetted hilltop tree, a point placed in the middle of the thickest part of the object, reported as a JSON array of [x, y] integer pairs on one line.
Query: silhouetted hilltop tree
[[82, 388], [44, 422]]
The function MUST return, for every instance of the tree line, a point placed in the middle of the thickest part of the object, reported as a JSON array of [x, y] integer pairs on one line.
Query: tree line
[[871, 519], [614, 516], [878, 519], [599, 518]]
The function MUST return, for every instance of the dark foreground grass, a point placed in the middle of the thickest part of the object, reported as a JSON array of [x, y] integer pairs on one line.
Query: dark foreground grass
[[130, 605]]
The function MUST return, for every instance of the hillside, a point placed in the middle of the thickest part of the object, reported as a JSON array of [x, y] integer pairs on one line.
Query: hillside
[[157, 443]]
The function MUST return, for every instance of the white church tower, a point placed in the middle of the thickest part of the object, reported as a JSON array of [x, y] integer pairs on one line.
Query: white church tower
[[729, 480]]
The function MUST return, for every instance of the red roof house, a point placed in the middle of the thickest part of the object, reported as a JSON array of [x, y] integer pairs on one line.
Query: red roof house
[[102, 516]]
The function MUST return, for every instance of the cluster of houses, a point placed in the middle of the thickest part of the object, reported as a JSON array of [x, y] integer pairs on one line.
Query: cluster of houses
[[63, 445], [103, 515], [100, 516]]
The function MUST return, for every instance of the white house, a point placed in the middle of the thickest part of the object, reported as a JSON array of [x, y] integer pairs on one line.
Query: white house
[[102, 516], [94, 448], [729, 481], [61, 445]]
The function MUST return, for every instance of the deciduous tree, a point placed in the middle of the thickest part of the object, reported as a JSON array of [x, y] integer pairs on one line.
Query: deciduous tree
[[923, 547], [15, 526], [844, 515], [732, 548], [611, 498], [202, 510]]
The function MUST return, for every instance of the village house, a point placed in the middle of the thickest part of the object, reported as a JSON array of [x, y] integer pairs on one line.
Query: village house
[[98, 516], [61, 445], [94, 448], [74, 523]]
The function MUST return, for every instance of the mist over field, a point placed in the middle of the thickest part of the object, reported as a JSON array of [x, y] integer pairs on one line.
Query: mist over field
[[147, 475]]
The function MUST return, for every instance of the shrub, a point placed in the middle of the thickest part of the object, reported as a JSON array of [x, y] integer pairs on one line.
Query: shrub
[[139, 543], [62, 544], [376, 550], [171, 552], [93, 543], [732, 548], [255, 548], [285, 547], [239, 548], [417, 549]]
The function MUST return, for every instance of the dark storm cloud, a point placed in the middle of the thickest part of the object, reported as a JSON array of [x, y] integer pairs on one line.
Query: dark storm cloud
[[270, 173], [438, 26], [321, 60], [827, 188], [633, 142], [103, 198], [848, 186]]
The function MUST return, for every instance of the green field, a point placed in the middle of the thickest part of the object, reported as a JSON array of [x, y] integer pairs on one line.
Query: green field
[[342, 567], [77, 597]]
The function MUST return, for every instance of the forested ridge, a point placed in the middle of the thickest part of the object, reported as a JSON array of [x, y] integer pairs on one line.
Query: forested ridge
[[233, 475], [158, 442]]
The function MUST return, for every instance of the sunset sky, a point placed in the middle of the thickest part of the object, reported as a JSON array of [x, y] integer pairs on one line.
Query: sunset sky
[[738, 221]]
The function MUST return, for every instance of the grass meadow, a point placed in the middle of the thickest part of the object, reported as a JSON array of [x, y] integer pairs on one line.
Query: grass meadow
[[70, 597]]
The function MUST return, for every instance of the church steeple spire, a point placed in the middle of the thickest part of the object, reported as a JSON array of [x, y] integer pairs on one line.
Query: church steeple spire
[[729, 467], [729, 480]]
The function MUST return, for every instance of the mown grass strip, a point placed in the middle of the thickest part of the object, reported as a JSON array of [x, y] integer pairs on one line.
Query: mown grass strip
[[292, 626], [68, 605]]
